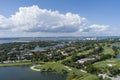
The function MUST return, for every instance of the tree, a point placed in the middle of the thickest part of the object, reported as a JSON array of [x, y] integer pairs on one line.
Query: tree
[[91, 69]]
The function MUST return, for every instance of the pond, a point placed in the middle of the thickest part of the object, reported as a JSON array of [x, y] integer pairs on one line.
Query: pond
[[37, 48], [24, 73], [118, 56]]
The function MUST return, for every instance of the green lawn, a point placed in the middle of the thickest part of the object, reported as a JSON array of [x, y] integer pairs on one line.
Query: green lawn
[[15, 64], [117, 44], [53, 65], [108, 50], [103, 64], [85, 52], [58, 67]]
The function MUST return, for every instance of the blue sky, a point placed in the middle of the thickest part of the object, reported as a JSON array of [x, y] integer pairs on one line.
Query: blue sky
[[100, 16]]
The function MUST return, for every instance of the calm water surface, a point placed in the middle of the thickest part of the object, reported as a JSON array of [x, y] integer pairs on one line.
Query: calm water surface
[[24, 73], [118, 56]]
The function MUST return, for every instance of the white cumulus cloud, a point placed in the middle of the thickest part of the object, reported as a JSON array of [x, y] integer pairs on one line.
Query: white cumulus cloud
[[35, 19], [5, 23], [95, 28]]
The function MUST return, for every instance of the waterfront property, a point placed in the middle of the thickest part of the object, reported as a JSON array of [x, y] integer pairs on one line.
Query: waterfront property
[[78, 60]]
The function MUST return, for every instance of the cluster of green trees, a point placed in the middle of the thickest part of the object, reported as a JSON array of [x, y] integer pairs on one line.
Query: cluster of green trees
[[12, 50], [73, 61], [73, 50]]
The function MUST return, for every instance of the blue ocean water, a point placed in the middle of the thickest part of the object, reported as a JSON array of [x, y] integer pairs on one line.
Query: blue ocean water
[[27, 39]]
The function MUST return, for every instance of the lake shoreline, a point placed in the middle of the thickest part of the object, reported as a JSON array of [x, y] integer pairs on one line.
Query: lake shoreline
[[34, 69], [24, 73], [15, 64]]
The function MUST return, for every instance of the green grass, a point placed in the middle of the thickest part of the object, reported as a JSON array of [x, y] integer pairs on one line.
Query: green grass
[[53, 65], [108, 50], [104, 64], [85, 52], [81, 76], [58, 67], [119, 51], [90, 77], [117, 44], [15, 64]]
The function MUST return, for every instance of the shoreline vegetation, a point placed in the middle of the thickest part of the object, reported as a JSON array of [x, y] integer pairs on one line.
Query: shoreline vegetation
[[57, 67], [15, 64], [78, 60]]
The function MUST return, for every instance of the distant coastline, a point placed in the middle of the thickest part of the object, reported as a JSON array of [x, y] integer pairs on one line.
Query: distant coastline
[[29, 39]]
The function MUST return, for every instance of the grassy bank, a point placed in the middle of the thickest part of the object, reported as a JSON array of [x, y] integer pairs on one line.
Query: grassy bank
[[73, 74], [110, 67], [15, 64], [108, 63]]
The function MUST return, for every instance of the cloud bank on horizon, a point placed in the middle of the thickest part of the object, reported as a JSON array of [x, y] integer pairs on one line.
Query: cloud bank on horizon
[[34, 19]]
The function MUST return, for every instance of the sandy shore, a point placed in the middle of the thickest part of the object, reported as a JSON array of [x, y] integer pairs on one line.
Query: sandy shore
[[33, 68]]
